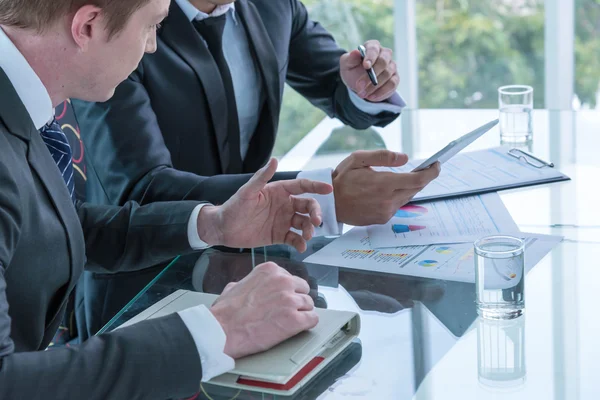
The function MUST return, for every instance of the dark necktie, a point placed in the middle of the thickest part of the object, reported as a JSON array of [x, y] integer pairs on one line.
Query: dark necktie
[[59, 147], [211, 30]]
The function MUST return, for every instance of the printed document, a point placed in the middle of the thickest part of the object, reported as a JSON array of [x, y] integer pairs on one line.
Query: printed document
[[452, 262], [463, 219]]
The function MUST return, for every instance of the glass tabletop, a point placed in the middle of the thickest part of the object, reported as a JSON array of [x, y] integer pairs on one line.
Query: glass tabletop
[[421, 338]]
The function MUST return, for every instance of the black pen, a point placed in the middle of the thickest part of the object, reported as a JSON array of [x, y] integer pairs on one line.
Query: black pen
[[370, 71]]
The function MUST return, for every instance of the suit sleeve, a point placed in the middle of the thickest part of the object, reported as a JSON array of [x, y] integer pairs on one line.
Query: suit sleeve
[[134, 237], [127, 157], [314, 71], [153, 360]]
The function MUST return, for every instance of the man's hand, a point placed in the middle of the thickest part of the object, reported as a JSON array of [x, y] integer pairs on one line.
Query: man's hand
[[354, 75], [366, 197], [262, 310], [228, 268], [262, 213]]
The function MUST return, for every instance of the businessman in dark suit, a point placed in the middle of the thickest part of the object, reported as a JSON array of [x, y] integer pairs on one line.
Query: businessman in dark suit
[[207, 103], [84, 48]]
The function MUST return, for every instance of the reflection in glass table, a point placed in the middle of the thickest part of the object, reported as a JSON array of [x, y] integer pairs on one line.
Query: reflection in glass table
[[421, 338]]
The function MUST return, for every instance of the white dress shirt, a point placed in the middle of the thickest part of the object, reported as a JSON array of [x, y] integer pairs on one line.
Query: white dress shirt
[[248, 87], [204, 328]]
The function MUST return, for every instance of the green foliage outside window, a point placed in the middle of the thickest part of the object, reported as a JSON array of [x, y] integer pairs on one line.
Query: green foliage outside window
[[466, 50]]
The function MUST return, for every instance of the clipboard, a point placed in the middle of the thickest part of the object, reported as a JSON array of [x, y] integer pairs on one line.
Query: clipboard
[[484, 171], [529, 158]]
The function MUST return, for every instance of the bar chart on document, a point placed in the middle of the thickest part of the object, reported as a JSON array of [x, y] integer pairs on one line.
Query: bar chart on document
[[444, 221], [454, 262]]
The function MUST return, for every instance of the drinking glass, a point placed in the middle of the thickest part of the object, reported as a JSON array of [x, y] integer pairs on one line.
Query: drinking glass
[[516, 106], [500, 277]]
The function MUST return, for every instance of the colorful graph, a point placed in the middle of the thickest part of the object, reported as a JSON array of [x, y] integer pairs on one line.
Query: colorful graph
[[428, 263], [398, 255], [468, 256], [365, 252], [465, 260], [400, 228], [444, 250], [411, 211]]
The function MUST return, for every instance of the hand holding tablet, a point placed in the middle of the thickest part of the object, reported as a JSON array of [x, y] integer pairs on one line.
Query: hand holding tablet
[[456, 146]]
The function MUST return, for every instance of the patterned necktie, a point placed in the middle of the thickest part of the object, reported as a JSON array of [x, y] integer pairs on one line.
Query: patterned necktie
[[59, 147]]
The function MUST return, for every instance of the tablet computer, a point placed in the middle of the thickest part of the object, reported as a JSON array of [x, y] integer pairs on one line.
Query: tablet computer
[[455, 146]]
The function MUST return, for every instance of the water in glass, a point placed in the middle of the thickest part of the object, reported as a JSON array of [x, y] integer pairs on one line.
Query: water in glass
[[516, 124], [500, 277]]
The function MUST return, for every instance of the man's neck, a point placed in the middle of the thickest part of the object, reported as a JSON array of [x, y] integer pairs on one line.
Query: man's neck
[[204, 5], [43, 59]]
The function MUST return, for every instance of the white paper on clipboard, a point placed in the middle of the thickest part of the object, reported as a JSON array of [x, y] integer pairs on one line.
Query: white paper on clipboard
[[482, 171]]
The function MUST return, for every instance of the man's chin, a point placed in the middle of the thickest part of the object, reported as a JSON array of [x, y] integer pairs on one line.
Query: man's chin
[[107, 96], [97, 97]]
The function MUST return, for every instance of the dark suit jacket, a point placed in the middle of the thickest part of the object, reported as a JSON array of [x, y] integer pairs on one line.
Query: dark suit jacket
[[44, 242], [162, 134], [161, 137]]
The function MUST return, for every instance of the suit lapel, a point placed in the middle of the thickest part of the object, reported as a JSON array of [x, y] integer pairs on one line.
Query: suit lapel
[[19, 123], [265, 54], [17, 119], [179, 34], [42, 163], [44, 166]]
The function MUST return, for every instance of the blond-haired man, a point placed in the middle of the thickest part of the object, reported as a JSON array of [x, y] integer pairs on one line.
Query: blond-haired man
[[53, 50]]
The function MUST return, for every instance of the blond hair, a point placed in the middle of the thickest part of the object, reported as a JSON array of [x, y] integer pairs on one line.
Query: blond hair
[[39, 14]]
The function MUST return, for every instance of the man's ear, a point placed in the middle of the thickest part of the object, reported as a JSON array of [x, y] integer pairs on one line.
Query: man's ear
[[86, 25]]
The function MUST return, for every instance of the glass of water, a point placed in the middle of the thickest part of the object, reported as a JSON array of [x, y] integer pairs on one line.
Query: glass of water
[[500, 277], [516, 106]]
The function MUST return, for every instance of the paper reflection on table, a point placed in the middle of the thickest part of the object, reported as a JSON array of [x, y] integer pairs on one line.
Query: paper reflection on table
[[501, 353]]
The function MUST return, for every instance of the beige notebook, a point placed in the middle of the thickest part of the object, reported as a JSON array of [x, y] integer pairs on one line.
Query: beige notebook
[[288, 366]]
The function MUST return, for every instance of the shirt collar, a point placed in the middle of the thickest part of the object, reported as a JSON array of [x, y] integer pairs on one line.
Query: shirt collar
[[192, 13], [27, 84]]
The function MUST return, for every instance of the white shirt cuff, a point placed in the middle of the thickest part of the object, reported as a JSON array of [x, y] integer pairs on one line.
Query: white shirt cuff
[[194, 238], [210, 339], [330, 226], [394, 104]]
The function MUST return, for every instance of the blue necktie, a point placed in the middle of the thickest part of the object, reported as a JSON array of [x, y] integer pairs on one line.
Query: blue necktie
[[59, 147]]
